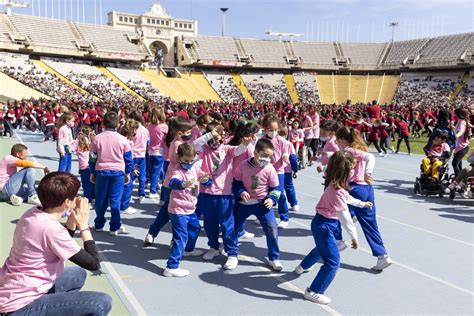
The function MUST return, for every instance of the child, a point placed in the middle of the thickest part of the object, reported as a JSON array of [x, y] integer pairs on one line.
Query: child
[[81, 147], [111, 164], [435, 155], [129, 130], [328, 136], [296, 135], [257, 190], [291, 171], [140, 144], [215, 198], [66, 123], [157, 130], [331, 208], [182, 203], [279, 159], [403, 133], [465, 173]]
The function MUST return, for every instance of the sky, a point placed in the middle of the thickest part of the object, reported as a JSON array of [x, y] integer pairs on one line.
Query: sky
[[316, 20]]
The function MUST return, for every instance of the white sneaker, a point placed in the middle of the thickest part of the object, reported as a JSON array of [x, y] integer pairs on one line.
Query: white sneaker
[[275, 265], [222, 250], [141, 199], [149, 239], [316, 298], [153, 196], [210, 254], [34, 200], [121, 230], [98, 229], [381, 154], [16, 200], [341, 245], [129, 210], [382, 263], [194, 253], [299, 269], [179, 273], [231, 263], [296, 208], [283, 224], [247, 235]]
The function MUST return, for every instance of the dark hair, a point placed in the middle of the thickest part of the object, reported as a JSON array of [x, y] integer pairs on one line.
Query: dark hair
[[177, 124], [353, 137], [330, 126], [56, 187], [137, 117], [243, 130], [186, 149], [63, 119], [203, 119], [263, 144], [338, 171], [443, 135], [268, 119], [111, 120], [17, 148]]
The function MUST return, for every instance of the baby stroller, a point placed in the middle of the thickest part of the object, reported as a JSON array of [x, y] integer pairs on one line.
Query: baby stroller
[[425, 184], [465, 190]]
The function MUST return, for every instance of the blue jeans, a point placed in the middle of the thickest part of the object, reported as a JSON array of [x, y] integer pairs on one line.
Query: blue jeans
[[15, 185], [269, 226], [128, 188], [109, 189], [65, 163], [282, 206], [162, 218], [325, 251], [290, 189], [186, 230], [65, 298], [218, 210], [87, 186], [156, 168]]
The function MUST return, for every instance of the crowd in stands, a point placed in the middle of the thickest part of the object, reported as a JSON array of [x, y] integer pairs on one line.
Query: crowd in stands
[[227, 89], [264, 92]]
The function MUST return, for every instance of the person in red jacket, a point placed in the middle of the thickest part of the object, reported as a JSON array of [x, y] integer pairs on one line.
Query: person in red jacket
[[49, 120], [373, 111], [403, 133]]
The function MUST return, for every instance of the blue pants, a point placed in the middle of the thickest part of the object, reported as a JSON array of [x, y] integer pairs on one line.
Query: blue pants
[[282, 206], [325, 251], [87, 187], [65, 163], [162, 178], [156, 168], [268, 222], [218, 210], [108, 191], [290, 189], [15, 185], [128, 188], [66, 298], [366, 217], [162, 218], [186, 230]]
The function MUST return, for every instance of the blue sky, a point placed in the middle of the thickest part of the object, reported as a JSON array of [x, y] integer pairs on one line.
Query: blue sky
[[343, 20]]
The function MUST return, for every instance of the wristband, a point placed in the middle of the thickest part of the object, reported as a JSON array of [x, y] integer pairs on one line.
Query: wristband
[[85, 229]]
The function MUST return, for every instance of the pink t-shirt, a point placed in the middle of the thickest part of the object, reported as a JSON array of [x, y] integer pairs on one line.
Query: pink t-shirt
[[218, 163], [40, 247], [360, 164], [461, 142], [332, 201], [289, 148], [280, 149], [296, 135], [329, 147], [184, 201], [140, 141], [173, 159], [110, 147], [64, 138], [438, 150], [315, 119], [195, 133], [306, 124], [256, 180], [157, 134], [7, 169], [245, 156], [82, 156]]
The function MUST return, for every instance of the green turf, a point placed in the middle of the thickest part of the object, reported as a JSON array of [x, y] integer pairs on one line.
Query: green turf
[[9, 215], [417, 145]]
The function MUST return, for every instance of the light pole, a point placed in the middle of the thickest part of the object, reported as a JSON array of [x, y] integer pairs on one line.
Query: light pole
[[223, 20], [393, 25]]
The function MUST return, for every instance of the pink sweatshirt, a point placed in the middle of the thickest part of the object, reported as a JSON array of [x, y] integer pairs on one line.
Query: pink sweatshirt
[[110, 147], [140, 141], [173, 159], [296, 135], [184, 201], [157, 134], [82, 156], [329, 147], [280, 149], [64, 138], [289, 148], [364, 163], [256, 180]]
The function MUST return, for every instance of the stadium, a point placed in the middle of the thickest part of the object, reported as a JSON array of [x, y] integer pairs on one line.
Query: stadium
[[135, 63]]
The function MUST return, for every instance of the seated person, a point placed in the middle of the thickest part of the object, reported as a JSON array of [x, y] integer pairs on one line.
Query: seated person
[[12, 181], [465, 173], [436, 154], [33, 279]]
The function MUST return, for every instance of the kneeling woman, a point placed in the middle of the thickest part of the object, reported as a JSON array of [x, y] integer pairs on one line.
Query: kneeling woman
[[33, 280]]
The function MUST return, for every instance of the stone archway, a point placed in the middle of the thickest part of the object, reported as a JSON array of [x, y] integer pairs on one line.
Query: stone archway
[[160, 53]]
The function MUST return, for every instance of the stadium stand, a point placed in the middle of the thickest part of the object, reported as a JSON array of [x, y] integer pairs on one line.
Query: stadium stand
[[315, 53], [291, 86], [265, 87], [224, 85], [445, 48], [306, 87], [243, 89], [399, 51], [214, 48], [362, 53], [14, 89], [264, 51]]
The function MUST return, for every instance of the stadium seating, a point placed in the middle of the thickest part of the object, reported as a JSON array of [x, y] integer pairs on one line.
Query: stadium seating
[[243, 89], [401, 50], [215, 48], [447, 48], [363, 53], [14, 89], [265, 51], [224, 85], [266, 87], [306, 87], [4, 28], [291, 86], [315, 53]]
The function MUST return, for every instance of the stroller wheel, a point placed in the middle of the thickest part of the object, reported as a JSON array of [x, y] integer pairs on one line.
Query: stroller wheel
[[452, 194]]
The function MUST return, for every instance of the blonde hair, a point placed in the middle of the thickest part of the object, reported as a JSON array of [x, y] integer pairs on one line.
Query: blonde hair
[[157, 116], [353, 137], [129, 128], [84, 138]]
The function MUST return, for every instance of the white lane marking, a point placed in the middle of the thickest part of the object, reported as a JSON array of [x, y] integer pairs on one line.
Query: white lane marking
[[288, 284], [405, 224], [426, 275], [127, 293]]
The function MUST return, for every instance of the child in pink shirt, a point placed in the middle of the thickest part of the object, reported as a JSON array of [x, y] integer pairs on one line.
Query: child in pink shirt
[[183, 198], [331, 209], [328, 136], [66, 123], [81, 147], [296, 135], [157, 130], [291, 171], [257, 190], [435, 155]]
